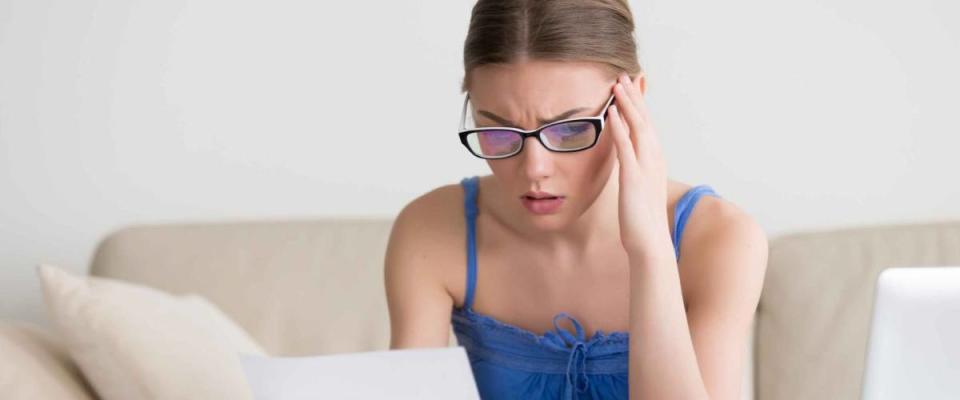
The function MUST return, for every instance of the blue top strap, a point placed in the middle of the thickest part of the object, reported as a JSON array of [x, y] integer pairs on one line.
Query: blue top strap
[[470, 211], [683, 209]]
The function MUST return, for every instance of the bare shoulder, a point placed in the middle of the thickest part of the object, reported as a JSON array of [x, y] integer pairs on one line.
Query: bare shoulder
[[721, 242], [715, 218], [417, 268], [430, 230], [433, 213]]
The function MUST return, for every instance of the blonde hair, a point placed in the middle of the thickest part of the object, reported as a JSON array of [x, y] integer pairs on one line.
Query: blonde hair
[[505, 31]]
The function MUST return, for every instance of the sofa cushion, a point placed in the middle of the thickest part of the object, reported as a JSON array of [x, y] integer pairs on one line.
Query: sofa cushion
[[136, 342], [35, 365]]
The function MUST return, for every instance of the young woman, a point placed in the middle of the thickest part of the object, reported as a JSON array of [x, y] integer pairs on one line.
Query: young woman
[[577, 225]]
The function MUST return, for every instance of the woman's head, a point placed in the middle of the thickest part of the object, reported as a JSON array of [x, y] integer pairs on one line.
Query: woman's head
[[513, 31], [529, 61]]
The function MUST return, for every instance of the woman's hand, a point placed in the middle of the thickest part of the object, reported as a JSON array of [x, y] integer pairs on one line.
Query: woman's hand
[[644, 222]]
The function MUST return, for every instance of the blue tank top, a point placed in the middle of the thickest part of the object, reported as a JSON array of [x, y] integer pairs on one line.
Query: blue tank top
[[510, 362]]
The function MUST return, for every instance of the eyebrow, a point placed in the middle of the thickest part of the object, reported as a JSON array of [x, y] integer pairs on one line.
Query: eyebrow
[[505, 122]]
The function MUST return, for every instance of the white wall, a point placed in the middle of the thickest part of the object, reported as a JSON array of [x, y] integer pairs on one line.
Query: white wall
[[808, 114]]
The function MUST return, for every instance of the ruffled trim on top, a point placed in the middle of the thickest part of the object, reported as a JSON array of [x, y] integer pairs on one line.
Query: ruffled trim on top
[[599, 338]]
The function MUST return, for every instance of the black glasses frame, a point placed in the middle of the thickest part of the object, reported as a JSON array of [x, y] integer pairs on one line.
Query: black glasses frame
[[597, 121]]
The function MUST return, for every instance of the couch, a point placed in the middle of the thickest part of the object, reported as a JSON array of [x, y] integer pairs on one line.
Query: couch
[[308, 287]]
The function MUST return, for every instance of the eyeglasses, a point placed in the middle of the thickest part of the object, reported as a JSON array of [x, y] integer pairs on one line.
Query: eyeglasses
[[565, 136]]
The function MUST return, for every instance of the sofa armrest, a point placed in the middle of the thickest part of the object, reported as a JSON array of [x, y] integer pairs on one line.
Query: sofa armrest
[[35, 365]]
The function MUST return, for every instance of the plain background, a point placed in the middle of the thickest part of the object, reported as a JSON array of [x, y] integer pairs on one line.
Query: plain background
[[808, 114]]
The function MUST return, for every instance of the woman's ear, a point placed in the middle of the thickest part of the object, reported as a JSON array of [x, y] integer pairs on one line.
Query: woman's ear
[[640, 82]]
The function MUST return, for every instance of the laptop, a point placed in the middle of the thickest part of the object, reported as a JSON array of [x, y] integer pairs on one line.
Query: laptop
[[427, 374], [913, 351]]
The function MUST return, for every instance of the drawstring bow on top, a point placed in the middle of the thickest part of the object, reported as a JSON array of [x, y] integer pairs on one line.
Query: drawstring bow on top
[[577, 361]]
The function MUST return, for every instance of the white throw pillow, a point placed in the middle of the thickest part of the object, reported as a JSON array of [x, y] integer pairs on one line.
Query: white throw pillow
[[136, 342]]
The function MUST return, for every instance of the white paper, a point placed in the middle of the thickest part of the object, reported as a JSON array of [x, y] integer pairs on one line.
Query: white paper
[[423, 374]]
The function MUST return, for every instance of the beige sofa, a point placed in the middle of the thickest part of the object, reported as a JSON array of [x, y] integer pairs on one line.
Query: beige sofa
[[316, 287]]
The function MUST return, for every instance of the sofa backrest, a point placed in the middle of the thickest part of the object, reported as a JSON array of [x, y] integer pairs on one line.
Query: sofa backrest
[[299, 287], [814, 314]]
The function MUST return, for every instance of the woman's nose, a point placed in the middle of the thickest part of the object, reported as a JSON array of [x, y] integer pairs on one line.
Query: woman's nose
[[537, 161]]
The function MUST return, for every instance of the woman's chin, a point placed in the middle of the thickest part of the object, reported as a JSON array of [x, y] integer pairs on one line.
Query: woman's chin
[[548, 222]]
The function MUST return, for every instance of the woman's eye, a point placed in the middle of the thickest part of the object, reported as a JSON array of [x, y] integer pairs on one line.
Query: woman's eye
[[574, 128]]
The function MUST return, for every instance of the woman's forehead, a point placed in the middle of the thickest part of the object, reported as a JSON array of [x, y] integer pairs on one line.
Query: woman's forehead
[[535, 108], [531, 90]]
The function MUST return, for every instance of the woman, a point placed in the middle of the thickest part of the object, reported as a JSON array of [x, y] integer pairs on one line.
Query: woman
[[573, 227]]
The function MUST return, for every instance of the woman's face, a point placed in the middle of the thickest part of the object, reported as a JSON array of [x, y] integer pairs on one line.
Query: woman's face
[[527, 94]]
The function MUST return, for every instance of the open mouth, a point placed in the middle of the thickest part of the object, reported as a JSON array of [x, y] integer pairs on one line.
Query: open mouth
[[542, 205]]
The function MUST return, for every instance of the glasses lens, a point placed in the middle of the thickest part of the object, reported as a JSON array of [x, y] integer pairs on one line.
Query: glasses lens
[[574, 135], [494, 143]]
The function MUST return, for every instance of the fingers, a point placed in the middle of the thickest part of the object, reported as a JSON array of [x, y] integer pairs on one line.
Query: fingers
[[633, 109], [625, 150], [635, 95], [629, 111]]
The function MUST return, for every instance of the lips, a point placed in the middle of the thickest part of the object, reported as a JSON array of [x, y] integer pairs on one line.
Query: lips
[[536, 195], [542, 205]]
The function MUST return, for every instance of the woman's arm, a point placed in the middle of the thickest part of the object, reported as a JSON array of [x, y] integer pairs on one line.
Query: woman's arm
[[678, 351], [418, 301], [696, 353]]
